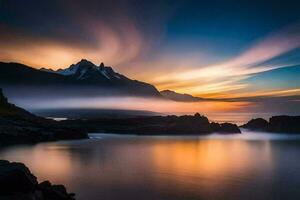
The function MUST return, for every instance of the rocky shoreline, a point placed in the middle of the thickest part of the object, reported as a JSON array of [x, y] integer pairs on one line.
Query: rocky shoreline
[[18, 183], [18, 126]]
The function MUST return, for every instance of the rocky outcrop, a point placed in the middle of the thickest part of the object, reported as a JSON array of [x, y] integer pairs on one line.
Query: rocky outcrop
[[155, 125], [279, 124], [18, 183], [3, 99], [18, 126], [284, 124], [257, 124], [225, 128]]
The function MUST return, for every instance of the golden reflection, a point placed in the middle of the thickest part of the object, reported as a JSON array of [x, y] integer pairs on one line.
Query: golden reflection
[[209, 157], [45, 161], [50, 162]]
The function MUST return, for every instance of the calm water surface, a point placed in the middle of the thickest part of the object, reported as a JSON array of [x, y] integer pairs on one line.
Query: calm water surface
[[113, 167]]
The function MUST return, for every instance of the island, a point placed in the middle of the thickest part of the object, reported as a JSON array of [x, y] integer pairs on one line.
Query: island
[[276, 124], [155, 125]]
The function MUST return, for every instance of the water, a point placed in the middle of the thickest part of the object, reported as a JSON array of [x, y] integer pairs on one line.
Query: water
[[112, 167]]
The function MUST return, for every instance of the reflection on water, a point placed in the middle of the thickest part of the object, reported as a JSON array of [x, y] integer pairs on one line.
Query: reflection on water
[[250, 166]]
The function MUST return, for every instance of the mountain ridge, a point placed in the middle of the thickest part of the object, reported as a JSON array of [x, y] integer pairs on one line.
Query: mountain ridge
[[172, 95], [92, 79]]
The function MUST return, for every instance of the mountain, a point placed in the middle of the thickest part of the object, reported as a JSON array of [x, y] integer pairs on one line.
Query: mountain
[[80, 79], [87, 71], [169, 94]]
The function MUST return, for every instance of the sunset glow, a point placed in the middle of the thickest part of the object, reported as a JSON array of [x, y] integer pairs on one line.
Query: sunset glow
[[162, 54]]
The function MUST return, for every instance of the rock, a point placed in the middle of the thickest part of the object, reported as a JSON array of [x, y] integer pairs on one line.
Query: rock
[[279, 124], [54, 192], [229, 128], [18, 183], [3, 99], [216, 127], [154, 125], [225, 128], [18, 126], [284, 124], [257, 124], [16, 178]]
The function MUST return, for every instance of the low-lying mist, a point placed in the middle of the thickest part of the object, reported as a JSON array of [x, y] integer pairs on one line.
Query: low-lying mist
[[80, 102], [158, 105]]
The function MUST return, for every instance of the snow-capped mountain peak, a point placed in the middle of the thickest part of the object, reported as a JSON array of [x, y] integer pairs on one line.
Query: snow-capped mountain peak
[[87, 70], [82, 78], [81, 66]]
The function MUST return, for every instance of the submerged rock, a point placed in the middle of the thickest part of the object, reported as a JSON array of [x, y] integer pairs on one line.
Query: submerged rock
[[18, 183]]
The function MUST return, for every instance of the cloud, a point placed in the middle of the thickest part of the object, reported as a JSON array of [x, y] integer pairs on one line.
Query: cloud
[[110, 45], [217, 77], [113, 34], [97, 31]]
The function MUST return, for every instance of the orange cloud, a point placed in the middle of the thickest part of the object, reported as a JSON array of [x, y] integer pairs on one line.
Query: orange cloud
[[122, 45], [225, 76], [115, 43]]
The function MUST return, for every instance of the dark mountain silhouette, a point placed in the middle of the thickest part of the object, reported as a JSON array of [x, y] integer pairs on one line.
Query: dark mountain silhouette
[[169, 94], [83, 78]]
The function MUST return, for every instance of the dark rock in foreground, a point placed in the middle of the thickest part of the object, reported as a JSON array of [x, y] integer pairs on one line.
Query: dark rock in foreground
[[18, 126], [155, 125], [279, 124], [18, 183]]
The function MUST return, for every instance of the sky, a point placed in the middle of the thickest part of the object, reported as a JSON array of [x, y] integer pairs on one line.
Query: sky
[[212, 49]]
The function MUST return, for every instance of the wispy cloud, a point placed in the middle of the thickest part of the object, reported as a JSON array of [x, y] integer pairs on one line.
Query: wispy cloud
[[111, 45], [226, 75], [120, 42]]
